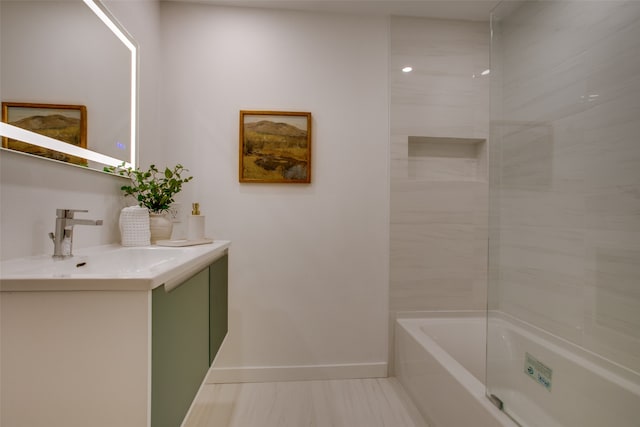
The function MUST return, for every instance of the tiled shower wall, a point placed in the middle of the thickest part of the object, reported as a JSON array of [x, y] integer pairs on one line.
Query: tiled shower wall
[[566, 125], [439, 123]]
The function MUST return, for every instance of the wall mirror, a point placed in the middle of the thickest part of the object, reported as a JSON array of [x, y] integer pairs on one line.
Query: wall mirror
[[68, 53]]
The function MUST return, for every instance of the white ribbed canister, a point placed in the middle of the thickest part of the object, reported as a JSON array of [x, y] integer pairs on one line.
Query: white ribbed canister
[[134, 226]]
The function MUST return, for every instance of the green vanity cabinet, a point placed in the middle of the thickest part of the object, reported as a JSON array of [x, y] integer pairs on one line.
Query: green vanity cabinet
[[188, 326], [218, 297], [111, 348]]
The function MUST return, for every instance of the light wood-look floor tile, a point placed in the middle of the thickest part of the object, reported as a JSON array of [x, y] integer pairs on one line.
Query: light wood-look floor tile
[[379, 402]]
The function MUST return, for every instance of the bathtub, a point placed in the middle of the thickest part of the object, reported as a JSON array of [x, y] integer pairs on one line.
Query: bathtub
[[440, 360]]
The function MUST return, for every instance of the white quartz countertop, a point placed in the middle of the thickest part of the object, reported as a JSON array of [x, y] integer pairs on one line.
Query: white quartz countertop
[[110, 267]]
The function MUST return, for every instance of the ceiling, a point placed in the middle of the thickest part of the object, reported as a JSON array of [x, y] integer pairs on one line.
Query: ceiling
[[468, 10]]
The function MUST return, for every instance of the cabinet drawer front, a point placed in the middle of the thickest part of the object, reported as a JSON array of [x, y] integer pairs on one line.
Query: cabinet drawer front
[[180, 348]]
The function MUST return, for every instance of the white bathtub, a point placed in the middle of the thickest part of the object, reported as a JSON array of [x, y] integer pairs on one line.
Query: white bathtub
[[440, 360]]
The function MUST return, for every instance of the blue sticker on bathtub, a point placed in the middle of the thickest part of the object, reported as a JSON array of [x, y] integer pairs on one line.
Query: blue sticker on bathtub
[[537, 371]]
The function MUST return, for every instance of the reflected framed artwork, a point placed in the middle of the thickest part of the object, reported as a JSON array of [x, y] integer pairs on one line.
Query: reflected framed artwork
[[67, 123], [275, 147]]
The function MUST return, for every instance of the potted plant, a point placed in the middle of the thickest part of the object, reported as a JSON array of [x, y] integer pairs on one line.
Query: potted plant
[[154, 189]]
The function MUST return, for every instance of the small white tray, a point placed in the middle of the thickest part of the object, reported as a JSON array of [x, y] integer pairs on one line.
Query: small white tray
[[184, 242]]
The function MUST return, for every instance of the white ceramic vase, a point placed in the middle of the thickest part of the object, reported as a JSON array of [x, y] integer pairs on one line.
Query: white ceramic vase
[[160, 226]]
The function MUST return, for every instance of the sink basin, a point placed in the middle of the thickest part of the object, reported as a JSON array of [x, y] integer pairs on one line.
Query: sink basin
[[116, 261], [109, 267]]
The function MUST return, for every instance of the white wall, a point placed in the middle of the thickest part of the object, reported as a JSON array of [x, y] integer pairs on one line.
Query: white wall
[[32, 188], [309, 263]]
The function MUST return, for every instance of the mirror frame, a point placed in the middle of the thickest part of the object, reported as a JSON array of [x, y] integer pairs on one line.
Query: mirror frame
[[14, 132]]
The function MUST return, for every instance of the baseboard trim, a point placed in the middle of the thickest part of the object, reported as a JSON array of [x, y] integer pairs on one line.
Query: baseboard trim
[[255, 374]]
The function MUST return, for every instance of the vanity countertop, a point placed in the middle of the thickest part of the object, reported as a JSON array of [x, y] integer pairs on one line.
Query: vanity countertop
[[110, 268]]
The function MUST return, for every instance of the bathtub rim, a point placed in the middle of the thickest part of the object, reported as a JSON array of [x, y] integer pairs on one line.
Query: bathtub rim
[[428, 314], [625, 376]]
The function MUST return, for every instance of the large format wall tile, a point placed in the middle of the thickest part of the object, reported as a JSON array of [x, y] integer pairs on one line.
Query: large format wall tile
[[438, 186], [566, 183]]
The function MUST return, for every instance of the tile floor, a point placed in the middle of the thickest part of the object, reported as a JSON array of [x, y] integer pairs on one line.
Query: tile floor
[[374, 402]]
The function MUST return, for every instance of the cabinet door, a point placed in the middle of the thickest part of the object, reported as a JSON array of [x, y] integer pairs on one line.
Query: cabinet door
[[180, 348], [218, 306]]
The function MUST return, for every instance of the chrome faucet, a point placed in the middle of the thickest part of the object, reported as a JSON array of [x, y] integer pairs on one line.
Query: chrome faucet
[[63, 235]]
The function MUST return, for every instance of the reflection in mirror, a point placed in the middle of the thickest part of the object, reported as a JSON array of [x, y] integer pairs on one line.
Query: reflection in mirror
[[95, 159], [66, 123], [77, 55]]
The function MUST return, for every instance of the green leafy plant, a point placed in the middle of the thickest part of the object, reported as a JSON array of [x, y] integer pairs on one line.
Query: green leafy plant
[[153, 189]]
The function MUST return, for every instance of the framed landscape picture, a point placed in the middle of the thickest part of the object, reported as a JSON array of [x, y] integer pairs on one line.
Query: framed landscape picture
[[67, 123], [275, 147]]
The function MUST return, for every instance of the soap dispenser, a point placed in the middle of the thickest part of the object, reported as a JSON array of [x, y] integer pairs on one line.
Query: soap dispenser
[[195, 225]]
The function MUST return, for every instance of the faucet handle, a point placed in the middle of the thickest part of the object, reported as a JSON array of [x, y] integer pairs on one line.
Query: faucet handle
[[68, 213]]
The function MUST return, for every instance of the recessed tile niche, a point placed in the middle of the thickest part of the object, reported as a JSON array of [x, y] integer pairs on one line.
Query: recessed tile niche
[[446, 159]]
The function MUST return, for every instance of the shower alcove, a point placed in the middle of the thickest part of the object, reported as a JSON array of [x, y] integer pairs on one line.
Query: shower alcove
[[439, 225]]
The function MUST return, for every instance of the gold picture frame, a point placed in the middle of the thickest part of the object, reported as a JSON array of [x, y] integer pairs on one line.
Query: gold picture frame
[[275, 147], [67, 123]]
